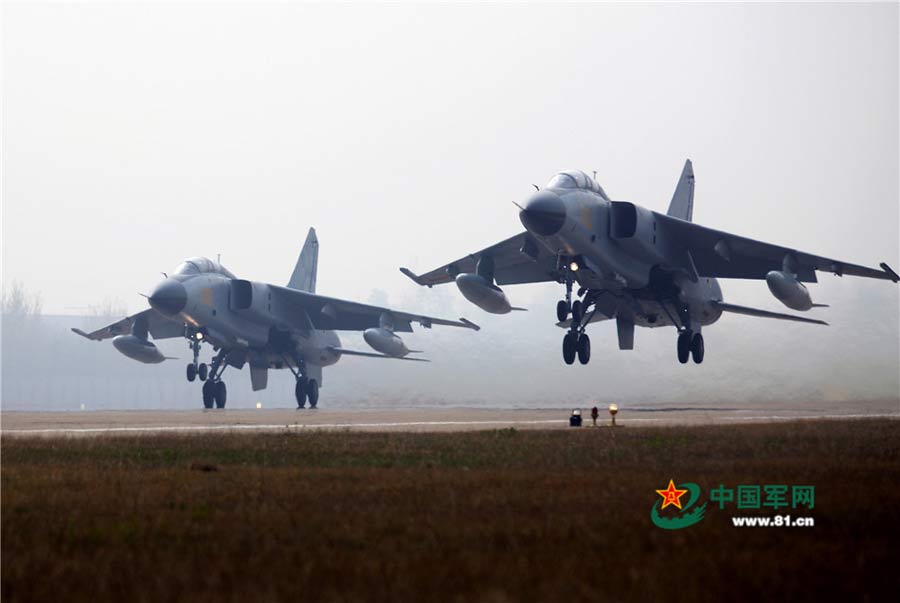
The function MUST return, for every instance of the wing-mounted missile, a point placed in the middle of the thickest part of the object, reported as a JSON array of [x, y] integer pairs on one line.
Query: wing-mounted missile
[[787, 288], [479, 288], [383, 339]]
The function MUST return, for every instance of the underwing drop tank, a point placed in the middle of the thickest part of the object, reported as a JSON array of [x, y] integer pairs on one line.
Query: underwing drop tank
[[385, 341], [483, 293], [138, 349], [788, 290]]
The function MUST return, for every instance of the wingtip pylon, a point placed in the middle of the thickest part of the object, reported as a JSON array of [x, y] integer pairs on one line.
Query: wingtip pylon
[[412, 276], [470, 324], [890, 272]]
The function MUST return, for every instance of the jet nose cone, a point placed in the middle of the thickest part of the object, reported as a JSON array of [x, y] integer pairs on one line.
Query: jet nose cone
[[169, 297], [544, 213]]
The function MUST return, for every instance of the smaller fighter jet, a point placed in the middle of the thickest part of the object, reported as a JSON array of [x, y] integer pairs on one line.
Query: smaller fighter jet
[[260, 325]]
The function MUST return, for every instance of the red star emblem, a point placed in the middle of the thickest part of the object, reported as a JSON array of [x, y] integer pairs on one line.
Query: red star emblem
[[671, 495]]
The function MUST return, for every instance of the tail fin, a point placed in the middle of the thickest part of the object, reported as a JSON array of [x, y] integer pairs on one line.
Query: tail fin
[[304, 276], [682, 204]]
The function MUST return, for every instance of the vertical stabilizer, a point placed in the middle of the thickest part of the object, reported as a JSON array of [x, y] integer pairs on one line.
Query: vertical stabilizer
[[682, 205], [304, 276]]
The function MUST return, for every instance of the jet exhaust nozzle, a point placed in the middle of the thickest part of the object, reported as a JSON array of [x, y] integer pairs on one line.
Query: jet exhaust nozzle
[[483, 293], [788, 290], [385, 341], [138, 349]]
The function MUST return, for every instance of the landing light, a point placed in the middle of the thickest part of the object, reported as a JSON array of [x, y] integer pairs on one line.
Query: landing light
[[573, 266], [198, 335], [259, 405]]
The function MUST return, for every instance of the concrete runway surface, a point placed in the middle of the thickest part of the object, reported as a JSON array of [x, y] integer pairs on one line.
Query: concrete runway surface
[[417, 419]]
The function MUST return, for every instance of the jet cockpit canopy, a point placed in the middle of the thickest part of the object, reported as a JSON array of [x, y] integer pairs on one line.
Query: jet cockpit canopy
[[201, 265], [572, 179]]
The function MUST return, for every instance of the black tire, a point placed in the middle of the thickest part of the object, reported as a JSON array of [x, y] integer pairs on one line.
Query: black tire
[[312, 390], [300, 392], [577, 308], [191, 372], [697, 348], [684, 347], [221, 393], [209, 396], [562, 310], [569, 344], [584, 349], [202, 372]]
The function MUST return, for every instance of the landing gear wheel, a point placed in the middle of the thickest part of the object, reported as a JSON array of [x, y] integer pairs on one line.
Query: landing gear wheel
[[684, 347], [569, 344], [220, 393], [202, 372], [300, 392], [697, 348], [191, 372], [312, 390], [584, 349], [209, 395], [562, 310], [577, 307]]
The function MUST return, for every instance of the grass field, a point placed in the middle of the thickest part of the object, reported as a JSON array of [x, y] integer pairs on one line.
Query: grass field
[[490, 516]]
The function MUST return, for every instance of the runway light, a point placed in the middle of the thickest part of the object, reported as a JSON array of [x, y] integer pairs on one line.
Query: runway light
[[613, 409], [573, 266], [259, 405]]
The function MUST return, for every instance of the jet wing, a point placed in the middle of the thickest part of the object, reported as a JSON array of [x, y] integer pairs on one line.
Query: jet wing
[[765, 313], [724, 255], [158, 326], [342, 315], [346, 352], [518, 259]]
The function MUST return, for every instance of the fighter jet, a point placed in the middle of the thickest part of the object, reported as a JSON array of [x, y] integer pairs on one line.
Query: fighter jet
[[261, 325], [634, 265]]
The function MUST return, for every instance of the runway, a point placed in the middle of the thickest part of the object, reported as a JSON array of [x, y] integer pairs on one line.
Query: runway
[[126, 422]]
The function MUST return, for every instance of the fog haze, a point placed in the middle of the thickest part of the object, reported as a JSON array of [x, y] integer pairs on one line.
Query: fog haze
[[136, 135]]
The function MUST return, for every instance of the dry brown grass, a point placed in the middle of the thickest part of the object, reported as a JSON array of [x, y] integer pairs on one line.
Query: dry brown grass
[[494, 516]]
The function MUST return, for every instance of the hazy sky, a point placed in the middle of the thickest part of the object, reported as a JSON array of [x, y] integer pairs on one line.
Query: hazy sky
[[137, 135]]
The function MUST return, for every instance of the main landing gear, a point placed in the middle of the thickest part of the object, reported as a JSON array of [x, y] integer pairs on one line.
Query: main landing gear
[[306, 388], [690, 345], [576, 342], [214, 391]]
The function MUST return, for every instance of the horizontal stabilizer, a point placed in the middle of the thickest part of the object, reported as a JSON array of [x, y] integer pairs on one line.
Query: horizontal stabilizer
[[518, 309], [764, 313], [346, 352]]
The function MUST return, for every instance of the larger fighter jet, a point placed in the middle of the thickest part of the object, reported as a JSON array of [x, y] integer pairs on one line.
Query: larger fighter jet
[[261, 325], [634, 265]]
